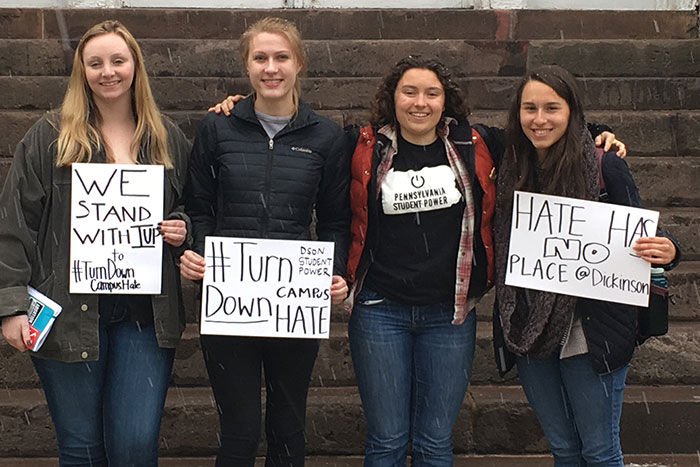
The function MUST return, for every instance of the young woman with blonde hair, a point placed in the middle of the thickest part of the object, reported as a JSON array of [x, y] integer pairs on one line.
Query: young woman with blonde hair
[[260, 173], [105, 366]]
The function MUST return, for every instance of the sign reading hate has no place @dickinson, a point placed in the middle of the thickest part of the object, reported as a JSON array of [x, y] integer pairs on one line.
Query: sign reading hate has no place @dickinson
[[266, 288], [580, 248], [115, 246]]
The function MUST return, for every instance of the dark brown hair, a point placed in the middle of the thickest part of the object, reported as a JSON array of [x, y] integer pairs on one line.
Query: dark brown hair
[[383, 106], [562, 169]]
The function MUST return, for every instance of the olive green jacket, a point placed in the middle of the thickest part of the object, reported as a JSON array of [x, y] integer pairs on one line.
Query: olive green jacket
[[35, 240]]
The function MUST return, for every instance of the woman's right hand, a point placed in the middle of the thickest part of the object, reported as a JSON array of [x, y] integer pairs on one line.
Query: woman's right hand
[[192, 266], [15, 330], [226, 105]]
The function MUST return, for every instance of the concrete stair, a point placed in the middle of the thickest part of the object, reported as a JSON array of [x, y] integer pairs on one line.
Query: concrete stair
[[640, 76], [671, 359], [633, 460], [655, 420]]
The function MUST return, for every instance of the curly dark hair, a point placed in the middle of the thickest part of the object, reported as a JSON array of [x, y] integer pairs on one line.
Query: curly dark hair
[[383, 106], [562, 172]]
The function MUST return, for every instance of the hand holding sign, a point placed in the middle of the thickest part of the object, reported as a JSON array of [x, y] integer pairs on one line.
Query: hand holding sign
[[173, 231], [655, 250], [339, 290], [192, 266]]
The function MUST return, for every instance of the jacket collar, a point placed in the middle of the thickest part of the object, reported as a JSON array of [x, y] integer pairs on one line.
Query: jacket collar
[[245, 110]]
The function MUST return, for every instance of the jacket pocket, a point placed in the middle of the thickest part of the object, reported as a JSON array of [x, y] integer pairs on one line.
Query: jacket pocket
[[46, 286], [368, 297]]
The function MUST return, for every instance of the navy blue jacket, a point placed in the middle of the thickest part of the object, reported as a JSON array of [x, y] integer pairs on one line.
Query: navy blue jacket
[[610, 328]]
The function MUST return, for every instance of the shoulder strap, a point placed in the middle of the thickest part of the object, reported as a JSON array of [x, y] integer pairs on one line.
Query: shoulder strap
[[603, 196], [493, 143]]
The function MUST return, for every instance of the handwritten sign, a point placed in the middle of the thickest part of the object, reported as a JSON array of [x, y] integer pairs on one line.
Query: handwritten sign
[[580, 248], [267, 288], [115, 246]]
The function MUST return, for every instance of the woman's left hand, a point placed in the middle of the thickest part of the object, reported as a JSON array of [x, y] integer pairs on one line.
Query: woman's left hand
[[173, 231], [339, 290], [607, 140], [656, 250]]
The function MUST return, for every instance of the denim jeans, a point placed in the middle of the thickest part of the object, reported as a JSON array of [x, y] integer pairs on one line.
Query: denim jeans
[[578, 409], [108, 412], [412, 368]]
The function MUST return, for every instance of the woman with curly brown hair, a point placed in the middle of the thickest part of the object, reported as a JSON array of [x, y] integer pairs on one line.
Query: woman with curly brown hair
[[420, 259], [423, 196]]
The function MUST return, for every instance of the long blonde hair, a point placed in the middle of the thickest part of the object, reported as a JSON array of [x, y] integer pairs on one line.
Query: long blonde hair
[[79, 136], [289, 31]]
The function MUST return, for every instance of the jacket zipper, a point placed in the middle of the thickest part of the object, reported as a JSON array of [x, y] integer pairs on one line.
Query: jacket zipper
[[266, 192]]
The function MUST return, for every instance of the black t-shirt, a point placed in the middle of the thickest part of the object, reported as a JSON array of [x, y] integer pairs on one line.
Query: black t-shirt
[[420, 219]]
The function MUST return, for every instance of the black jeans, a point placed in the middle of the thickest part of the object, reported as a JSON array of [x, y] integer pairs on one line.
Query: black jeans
[[234, 367]]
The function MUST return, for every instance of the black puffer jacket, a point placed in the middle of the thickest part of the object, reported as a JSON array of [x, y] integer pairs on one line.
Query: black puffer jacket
[[243, 184]]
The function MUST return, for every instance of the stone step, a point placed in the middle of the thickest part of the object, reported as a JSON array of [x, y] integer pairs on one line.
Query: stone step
[[653, 175], [671, 134], [335, 58], [493, 420], [361, 23], [328, 93], [670, 359], [373, 57], [627, 57], [463, 460], [684, 224]]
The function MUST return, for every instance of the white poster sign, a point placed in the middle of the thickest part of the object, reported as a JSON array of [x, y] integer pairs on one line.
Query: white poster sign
[[115, 246], [267, 288], [580, 248]]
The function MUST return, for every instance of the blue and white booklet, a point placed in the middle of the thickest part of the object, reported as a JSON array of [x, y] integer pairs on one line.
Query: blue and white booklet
[[41, 314]]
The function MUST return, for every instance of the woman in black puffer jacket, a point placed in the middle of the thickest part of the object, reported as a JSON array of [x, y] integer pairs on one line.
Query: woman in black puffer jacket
[[260, 173]]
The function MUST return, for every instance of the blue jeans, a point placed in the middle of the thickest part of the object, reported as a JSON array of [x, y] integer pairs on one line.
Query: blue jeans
[[108, 412], [578, 409], [412, 368]]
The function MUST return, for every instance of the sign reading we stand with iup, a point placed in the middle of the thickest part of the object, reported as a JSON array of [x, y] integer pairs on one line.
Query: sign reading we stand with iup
[[115, 245]]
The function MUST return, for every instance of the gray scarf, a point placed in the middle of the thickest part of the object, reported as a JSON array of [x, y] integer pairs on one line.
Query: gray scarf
[[534, 322]]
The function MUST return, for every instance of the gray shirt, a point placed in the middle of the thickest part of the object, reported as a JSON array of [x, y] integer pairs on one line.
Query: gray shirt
[[272, 123]]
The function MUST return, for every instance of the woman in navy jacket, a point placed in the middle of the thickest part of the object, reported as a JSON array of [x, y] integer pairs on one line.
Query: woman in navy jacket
[[572, 353]]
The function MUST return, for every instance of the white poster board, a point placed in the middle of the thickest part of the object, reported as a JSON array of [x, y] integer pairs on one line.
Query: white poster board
[[115, 245], [267, 288], [580, 248]]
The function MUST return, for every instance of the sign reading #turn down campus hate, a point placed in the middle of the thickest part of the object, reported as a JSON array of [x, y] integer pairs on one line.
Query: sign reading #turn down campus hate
[[580, 248], [115, 245], [267, 288]]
